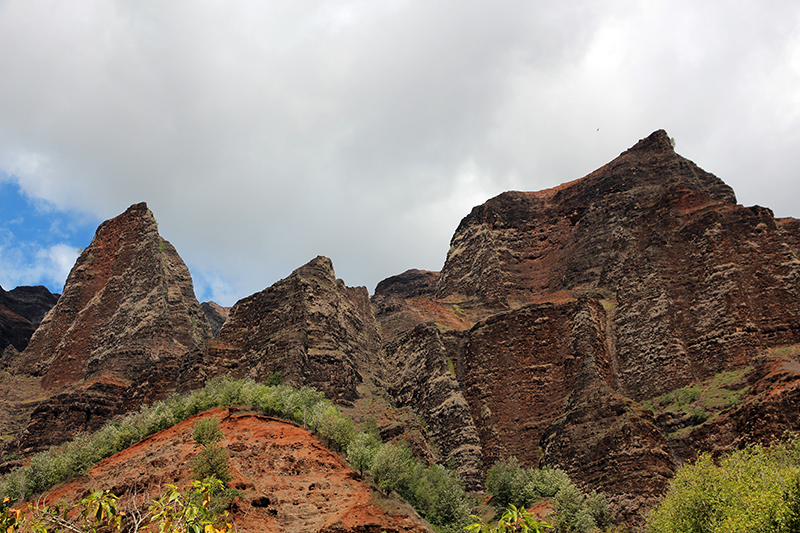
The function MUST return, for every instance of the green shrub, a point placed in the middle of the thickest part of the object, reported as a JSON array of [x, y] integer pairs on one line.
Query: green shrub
[[753, 489], [206, 431], [361, 451], [212, 461], [547, 481], [506, 481], [391, 468]]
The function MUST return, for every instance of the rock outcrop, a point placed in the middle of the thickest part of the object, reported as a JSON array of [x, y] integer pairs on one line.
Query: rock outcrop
[[127, 305], [216, 316], [21, 311], [578, 303], [698, 284], [309, 327]]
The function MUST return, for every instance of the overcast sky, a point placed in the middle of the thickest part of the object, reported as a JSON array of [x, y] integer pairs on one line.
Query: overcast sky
[[262, 134]]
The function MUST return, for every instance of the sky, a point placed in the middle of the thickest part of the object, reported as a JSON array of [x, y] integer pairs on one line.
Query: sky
[[262, 134]]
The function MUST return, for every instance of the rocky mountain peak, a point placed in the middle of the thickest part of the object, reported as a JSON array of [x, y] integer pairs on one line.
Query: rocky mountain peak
[[127, 302], [658, 141]]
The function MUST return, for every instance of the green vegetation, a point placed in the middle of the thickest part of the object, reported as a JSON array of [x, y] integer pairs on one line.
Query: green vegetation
[[435, 491], [512, 520], [206, 431], [702, 401], [753, 490], [213, 459], [174, 511], [515, 487]]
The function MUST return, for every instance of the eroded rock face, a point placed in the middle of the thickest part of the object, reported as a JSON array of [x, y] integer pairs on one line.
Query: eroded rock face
[[128, 305], [698, 284], [21, 311], [640, 278], [309, 327], [216, 315], [422, 377]]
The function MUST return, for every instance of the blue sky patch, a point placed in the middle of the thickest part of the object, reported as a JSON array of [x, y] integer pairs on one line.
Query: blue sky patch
[[38, 242]]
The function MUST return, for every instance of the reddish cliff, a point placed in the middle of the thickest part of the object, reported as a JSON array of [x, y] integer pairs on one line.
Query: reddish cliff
[[127, 305]]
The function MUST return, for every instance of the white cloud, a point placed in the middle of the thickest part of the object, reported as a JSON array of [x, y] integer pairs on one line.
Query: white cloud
[[264, 133]]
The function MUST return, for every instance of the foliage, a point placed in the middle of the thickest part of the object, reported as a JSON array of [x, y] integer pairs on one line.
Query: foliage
[[206, 431], [179, 512], [212, 461], [753, 489], [391, 468], [512, 519], [73, 459], [516, 487], [361, 451], [510, 484]]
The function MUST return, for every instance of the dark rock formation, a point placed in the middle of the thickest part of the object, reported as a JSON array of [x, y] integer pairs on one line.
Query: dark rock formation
[[309, 327], [422, 376], [216, 316], [127, 305], [21, 311], [640, 278], [697, 284]]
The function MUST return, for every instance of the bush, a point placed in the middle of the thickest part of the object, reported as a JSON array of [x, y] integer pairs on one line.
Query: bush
[[361, 452], [506, 481], [753, 489], [206, 431], [212, 461], [391, 468]]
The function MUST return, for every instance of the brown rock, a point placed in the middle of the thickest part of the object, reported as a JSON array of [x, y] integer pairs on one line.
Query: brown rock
[[216, 315], [127, 305], [309, 327], [21, 312]]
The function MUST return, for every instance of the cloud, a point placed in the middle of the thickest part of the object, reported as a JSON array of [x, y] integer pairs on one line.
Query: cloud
[[28, 264], [262, 134]]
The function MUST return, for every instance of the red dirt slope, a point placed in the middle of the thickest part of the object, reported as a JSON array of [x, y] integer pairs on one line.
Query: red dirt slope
[[289, 481]]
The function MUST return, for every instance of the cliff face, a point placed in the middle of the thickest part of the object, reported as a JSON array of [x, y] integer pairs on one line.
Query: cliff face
[[698, 285], [21, 311], [128, 301], [127, 305], [560, 329], [310, 327], [563, 310]]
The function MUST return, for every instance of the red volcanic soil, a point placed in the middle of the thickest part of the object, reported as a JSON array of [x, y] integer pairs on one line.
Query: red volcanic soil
[[288, 480]]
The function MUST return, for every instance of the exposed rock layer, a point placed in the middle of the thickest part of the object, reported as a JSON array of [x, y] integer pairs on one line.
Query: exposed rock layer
[[21, 311], [127, 305]]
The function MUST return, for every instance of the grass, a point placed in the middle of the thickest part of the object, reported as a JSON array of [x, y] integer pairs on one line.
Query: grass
[[704, 401]]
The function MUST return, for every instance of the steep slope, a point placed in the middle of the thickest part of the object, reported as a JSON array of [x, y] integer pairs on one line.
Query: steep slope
[[287, 480], [21, 311], [581, 302], [128, 304], [699, 285], [310, 328]]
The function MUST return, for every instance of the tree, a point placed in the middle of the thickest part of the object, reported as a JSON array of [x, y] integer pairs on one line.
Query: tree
[[361, 452], [391, 468]]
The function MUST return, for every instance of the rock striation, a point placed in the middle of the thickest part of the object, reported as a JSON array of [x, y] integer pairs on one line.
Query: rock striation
[[309, 327], [580, 303], [21, 311], [128, 304], [562, 327]]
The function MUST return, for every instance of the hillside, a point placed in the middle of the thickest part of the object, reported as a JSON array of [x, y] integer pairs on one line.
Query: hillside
[[614, 326]]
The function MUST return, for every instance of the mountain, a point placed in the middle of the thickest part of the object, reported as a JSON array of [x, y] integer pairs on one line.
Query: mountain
[[128, 303], [614, 326], [21, 311]]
